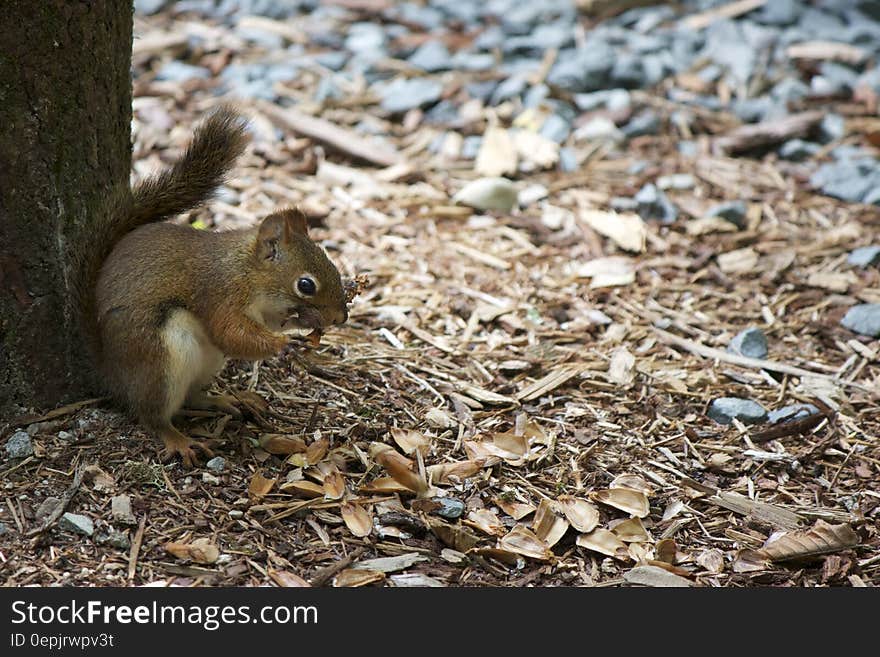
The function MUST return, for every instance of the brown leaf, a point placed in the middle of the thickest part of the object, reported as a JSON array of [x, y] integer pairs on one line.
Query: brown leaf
[[666, 550], [712, 560], [334, 485], [317, 451], [358, 520], [821, 539], [441, 472], [201, 550], [516, 510], [260, 486], [455, 536], [280, 445], [286, 579], [307, 489], [604, 542], [582, 515], [548, 526], [410, 441], [522, 541], [352, 577], [399, 467], [631, 531], [486, 521], [631, 501], [384, 485], [654, 576], [510, 447]]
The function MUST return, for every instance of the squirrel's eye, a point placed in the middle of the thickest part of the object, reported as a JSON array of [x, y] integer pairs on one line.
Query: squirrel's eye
[[306, 286]]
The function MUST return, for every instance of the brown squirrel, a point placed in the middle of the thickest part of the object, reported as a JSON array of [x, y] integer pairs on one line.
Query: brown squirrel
[[163, 306]]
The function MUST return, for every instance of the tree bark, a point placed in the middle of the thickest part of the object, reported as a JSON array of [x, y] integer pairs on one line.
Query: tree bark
[[65, 141]]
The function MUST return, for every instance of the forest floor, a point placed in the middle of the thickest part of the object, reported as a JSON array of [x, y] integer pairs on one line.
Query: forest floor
[[520, 398]]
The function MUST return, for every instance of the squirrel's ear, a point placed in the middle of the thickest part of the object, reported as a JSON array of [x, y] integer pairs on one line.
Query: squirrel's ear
[[296, 221], [273, 230]]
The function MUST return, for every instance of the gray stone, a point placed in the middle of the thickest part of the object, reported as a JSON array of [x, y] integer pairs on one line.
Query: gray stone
[[262, 38], [848, 180], [403, 95], [752, 343], [725, 409], [821, 23], [481, 90], [427, 17], [628, 72], [47, 506], [471, 147], [752, 110], [175, 71], [366, 38], [585, 69], [492, 37], [789, 89], [556, 128], [19, 445], [790, 413], [643, 123], [779, 12], [66, 436], [732, 211], [599, 128], [798, 149], [149, 7], [451, 508], [614, 100], [864, 256], [120, 510], [3, 529], [543, 37], [654, 204], [536, 95], [77, 523], [510, 88], [431, 56], [334, 60], [623, 204], [216, 465], [568, 161], [468, 61], [688, 148], [119, 540], [832, 127], [863, 319]]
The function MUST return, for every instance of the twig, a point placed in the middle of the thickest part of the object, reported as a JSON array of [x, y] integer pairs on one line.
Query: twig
[[730, 10], [325, 574], [755, 363], [768, 133], [65, 500], [332, 135], [136, 547]]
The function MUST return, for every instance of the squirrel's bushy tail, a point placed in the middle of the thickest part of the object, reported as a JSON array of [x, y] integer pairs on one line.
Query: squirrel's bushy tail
[[188, 183]]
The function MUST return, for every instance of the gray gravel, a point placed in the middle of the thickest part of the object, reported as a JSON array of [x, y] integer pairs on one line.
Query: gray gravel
[[19, 445], [725, 409]]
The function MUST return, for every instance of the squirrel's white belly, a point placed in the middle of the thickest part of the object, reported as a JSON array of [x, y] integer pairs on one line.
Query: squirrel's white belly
[[193, 360]]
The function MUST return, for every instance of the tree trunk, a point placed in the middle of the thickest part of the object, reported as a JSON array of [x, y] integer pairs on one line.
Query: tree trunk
[[65, 133]]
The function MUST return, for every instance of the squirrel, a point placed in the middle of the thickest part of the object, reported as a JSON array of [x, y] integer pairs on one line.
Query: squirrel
[[162, 306]]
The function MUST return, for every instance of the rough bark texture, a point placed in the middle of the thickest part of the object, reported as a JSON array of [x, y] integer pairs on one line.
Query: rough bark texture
[[65, 133]]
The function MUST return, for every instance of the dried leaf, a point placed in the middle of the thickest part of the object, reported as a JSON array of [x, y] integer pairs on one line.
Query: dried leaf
[[352, 577], [604, 542], [391, 564], [399, 467], [455, 536], [622, 368], [384, 485], [334, 485], [516, 510], [654, 576], [611, 271], [633, 482], [626, 230], [548, 526], [631, 501], [442, 472], [510, 447], [631, 531], [522, 541], [410, 441], [286, 579], [497, 155], [260, 486], [821, 539], [582, 515], [302, 488], [278, 444], [486, 521], [666, 550], [201, 550], [317, 451], [741, 261], [712, 560], [358, 520]]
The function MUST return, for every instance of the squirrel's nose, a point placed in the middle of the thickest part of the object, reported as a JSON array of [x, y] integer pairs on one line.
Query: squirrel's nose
[[336, 316]]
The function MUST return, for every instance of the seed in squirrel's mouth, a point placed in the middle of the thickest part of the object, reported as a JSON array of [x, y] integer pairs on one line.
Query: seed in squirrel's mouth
[[314, 338]]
